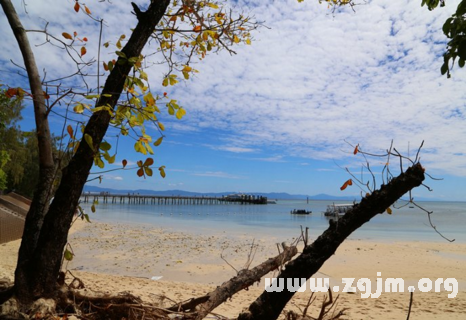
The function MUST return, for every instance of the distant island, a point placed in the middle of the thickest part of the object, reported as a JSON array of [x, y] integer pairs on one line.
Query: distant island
[[270, 195]]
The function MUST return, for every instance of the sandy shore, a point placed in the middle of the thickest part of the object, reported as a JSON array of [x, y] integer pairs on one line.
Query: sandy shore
[[124, 257]]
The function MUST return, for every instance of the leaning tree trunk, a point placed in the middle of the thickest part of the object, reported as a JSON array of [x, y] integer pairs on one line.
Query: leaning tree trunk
[[269, 305], [37, 269], [39, 205]]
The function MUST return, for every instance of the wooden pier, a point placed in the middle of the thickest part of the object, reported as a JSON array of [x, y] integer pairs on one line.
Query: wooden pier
[[105, 197]]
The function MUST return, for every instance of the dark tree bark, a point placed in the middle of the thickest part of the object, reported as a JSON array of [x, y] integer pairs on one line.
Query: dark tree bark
[[39, 205], [269, 305], [39, 264]]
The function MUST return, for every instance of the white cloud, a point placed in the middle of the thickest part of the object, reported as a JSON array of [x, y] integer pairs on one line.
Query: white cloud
[[314, 80], [307, 84], [234, 149], [217, 174]]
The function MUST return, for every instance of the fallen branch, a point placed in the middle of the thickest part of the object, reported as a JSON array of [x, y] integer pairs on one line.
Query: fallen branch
[[243, 280]]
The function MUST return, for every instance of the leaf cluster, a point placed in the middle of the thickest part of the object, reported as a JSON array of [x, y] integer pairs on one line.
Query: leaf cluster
[[455, 30]]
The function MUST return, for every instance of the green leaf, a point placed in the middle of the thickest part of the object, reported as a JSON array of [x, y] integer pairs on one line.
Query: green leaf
[[148, 171], [121, 54], [105, 146], [89, 141], [461, 62], [93, 208], [86, 216], [162, 171], [100, 163], [444, 68], [111, 159], [68, 255], [92, 96], [158, 142], [171, 110]]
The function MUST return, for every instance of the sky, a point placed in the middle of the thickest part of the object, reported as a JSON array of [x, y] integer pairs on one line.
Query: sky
[[285, 113]]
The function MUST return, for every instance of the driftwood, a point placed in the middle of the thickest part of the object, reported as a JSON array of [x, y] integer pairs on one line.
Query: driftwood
[[244, 279], [269, 305]]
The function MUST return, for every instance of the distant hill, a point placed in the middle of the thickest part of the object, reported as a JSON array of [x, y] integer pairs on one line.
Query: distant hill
[[270, 195]]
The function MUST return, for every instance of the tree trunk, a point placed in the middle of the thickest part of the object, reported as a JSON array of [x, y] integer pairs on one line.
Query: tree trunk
[[39, 205], [39, 264], [269, 305]]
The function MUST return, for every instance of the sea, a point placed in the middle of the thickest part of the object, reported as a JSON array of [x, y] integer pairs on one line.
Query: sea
[[406, 223]]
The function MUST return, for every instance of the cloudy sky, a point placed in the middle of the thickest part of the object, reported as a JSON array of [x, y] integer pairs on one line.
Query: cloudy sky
[[284, 114]]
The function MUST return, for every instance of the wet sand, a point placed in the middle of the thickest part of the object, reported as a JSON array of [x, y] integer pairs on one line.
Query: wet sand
[[124, 257]]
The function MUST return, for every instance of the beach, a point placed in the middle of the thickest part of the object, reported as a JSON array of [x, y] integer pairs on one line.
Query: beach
[[116, 257]]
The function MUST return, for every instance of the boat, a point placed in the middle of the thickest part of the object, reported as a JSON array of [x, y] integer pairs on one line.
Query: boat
[[300, 211], [337, 210], [271, 201]]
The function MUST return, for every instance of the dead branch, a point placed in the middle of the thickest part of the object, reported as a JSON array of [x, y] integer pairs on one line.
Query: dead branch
[[244, 279], [325, 308], [269, 305], [410, 304]]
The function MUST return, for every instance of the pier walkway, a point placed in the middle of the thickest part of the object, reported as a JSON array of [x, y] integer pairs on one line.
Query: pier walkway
[[105, 197]]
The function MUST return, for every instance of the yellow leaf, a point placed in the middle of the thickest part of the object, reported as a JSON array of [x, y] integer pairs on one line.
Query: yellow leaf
[[79, 108], [248, 41], [161, 126], [389, 211], [67, 35], [87, 10], [187, 69], [236, 39], [180, 113]]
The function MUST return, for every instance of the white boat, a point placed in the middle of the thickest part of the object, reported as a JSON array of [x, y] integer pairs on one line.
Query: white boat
[[337, 210]]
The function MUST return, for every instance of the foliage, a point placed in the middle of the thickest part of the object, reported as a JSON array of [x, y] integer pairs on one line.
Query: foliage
[[3, 160], [187, 32], [10, 139], [455, 30]]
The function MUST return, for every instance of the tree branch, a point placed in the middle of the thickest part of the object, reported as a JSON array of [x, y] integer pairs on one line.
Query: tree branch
[[269, 305]]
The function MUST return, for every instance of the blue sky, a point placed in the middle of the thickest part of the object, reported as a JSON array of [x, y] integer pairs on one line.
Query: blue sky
[[281, 114]]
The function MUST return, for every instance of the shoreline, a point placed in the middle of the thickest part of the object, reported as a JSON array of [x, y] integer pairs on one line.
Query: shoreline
[[119, 257]]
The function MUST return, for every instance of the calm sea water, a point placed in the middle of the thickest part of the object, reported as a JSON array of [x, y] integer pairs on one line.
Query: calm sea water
[[275, 219]]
